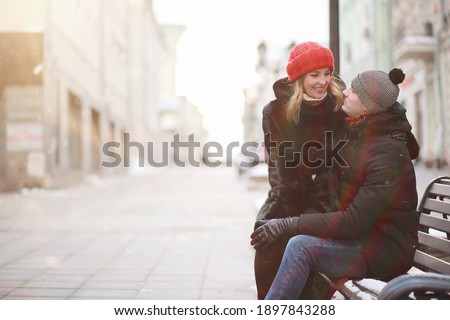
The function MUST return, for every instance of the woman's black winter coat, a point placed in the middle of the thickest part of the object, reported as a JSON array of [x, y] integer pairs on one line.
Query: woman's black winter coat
[[299, 170]]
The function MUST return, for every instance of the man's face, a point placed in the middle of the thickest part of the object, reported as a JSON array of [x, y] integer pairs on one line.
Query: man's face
[[352, 104]]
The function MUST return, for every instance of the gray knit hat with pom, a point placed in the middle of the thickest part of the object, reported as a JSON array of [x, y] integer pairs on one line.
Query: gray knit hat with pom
[[377, 90]]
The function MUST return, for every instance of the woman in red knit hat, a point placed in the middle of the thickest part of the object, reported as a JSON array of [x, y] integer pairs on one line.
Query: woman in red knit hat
[[303, 131]]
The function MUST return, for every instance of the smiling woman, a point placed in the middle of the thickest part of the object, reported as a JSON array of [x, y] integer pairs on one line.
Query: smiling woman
[[217, 53]]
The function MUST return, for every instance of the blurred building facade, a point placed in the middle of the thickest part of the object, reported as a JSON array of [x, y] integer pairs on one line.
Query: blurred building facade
[[75, 75], [364, 32], [269, 67], [412, 35], [178, 118]]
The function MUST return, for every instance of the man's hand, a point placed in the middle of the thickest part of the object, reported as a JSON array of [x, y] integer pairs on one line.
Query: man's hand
[[268, 233]]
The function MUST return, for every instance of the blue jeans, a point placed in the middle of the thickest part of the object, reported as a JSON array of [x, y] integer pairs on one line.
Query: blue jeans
[[304, 254]]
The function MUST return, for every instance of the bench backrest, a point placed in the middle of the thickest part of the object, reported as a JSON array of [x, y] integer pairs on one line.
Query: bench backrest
[[433, 252]]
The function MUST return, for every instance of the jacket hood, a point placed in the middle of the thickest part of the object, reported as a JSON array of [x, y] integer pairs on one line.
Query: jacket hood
[[392, 123], [283, 89], [393, 120]]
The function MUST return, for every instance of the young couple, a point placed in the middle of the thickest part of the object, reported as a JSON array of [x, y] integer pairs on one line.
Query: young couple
[[351, 219]]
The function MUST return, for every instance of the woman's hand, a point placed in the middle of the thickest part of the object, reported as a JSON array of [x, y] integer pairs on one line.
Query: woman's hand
[[272, 230]]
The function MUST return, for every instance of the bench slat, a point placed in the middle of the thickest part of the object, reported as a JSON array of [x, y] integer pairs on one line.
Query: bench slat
[[434, 242], [365, 288], [431, 262], [437, 223], [440, 189], [437, 206]]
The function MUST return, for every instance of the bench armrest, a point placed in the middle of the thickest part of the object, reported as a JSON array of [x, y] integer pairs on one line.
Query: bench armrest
[[425, 286]]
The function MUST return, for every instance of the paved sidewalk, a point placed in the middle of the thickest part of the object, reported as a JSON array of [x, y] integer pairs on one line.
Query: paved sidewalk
[[168, 234], [180, 233]]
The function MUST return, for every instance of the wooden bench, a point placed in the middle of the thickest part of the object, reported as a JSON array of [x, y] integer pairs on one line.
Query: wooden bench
[[429, 278]]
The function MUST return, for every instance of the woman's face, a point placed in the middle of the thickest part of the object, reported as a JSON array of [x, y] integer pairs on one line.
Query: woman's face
[[316, 82]]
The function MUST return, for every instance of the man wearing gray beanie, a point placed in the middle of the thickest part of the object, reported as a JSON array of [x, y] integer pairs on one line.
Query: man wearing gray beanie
[[373, 231], [376, 90]]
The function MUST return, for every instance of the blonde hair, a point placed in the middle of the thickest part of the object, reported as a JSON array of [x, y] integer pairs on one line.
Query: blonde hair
[[295, 102]]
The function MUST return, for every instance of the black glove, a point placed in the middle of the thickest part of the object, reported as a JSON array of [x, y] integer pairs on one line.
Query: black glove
[[259, 223], [264, 236]]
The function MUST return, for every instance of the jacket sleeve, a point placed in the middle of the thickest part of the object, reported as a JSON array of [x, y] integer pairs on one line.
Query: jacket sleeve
[[284, 196], [379, 190]]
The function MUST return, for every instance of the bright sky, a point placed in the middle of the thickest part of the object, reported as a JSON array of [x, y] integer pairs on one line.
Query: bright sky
[[217, 52]]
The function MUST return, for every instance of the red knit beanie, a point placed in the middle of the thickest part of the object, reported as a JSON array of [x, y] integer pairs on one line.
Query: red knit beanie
[[306, 57]]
